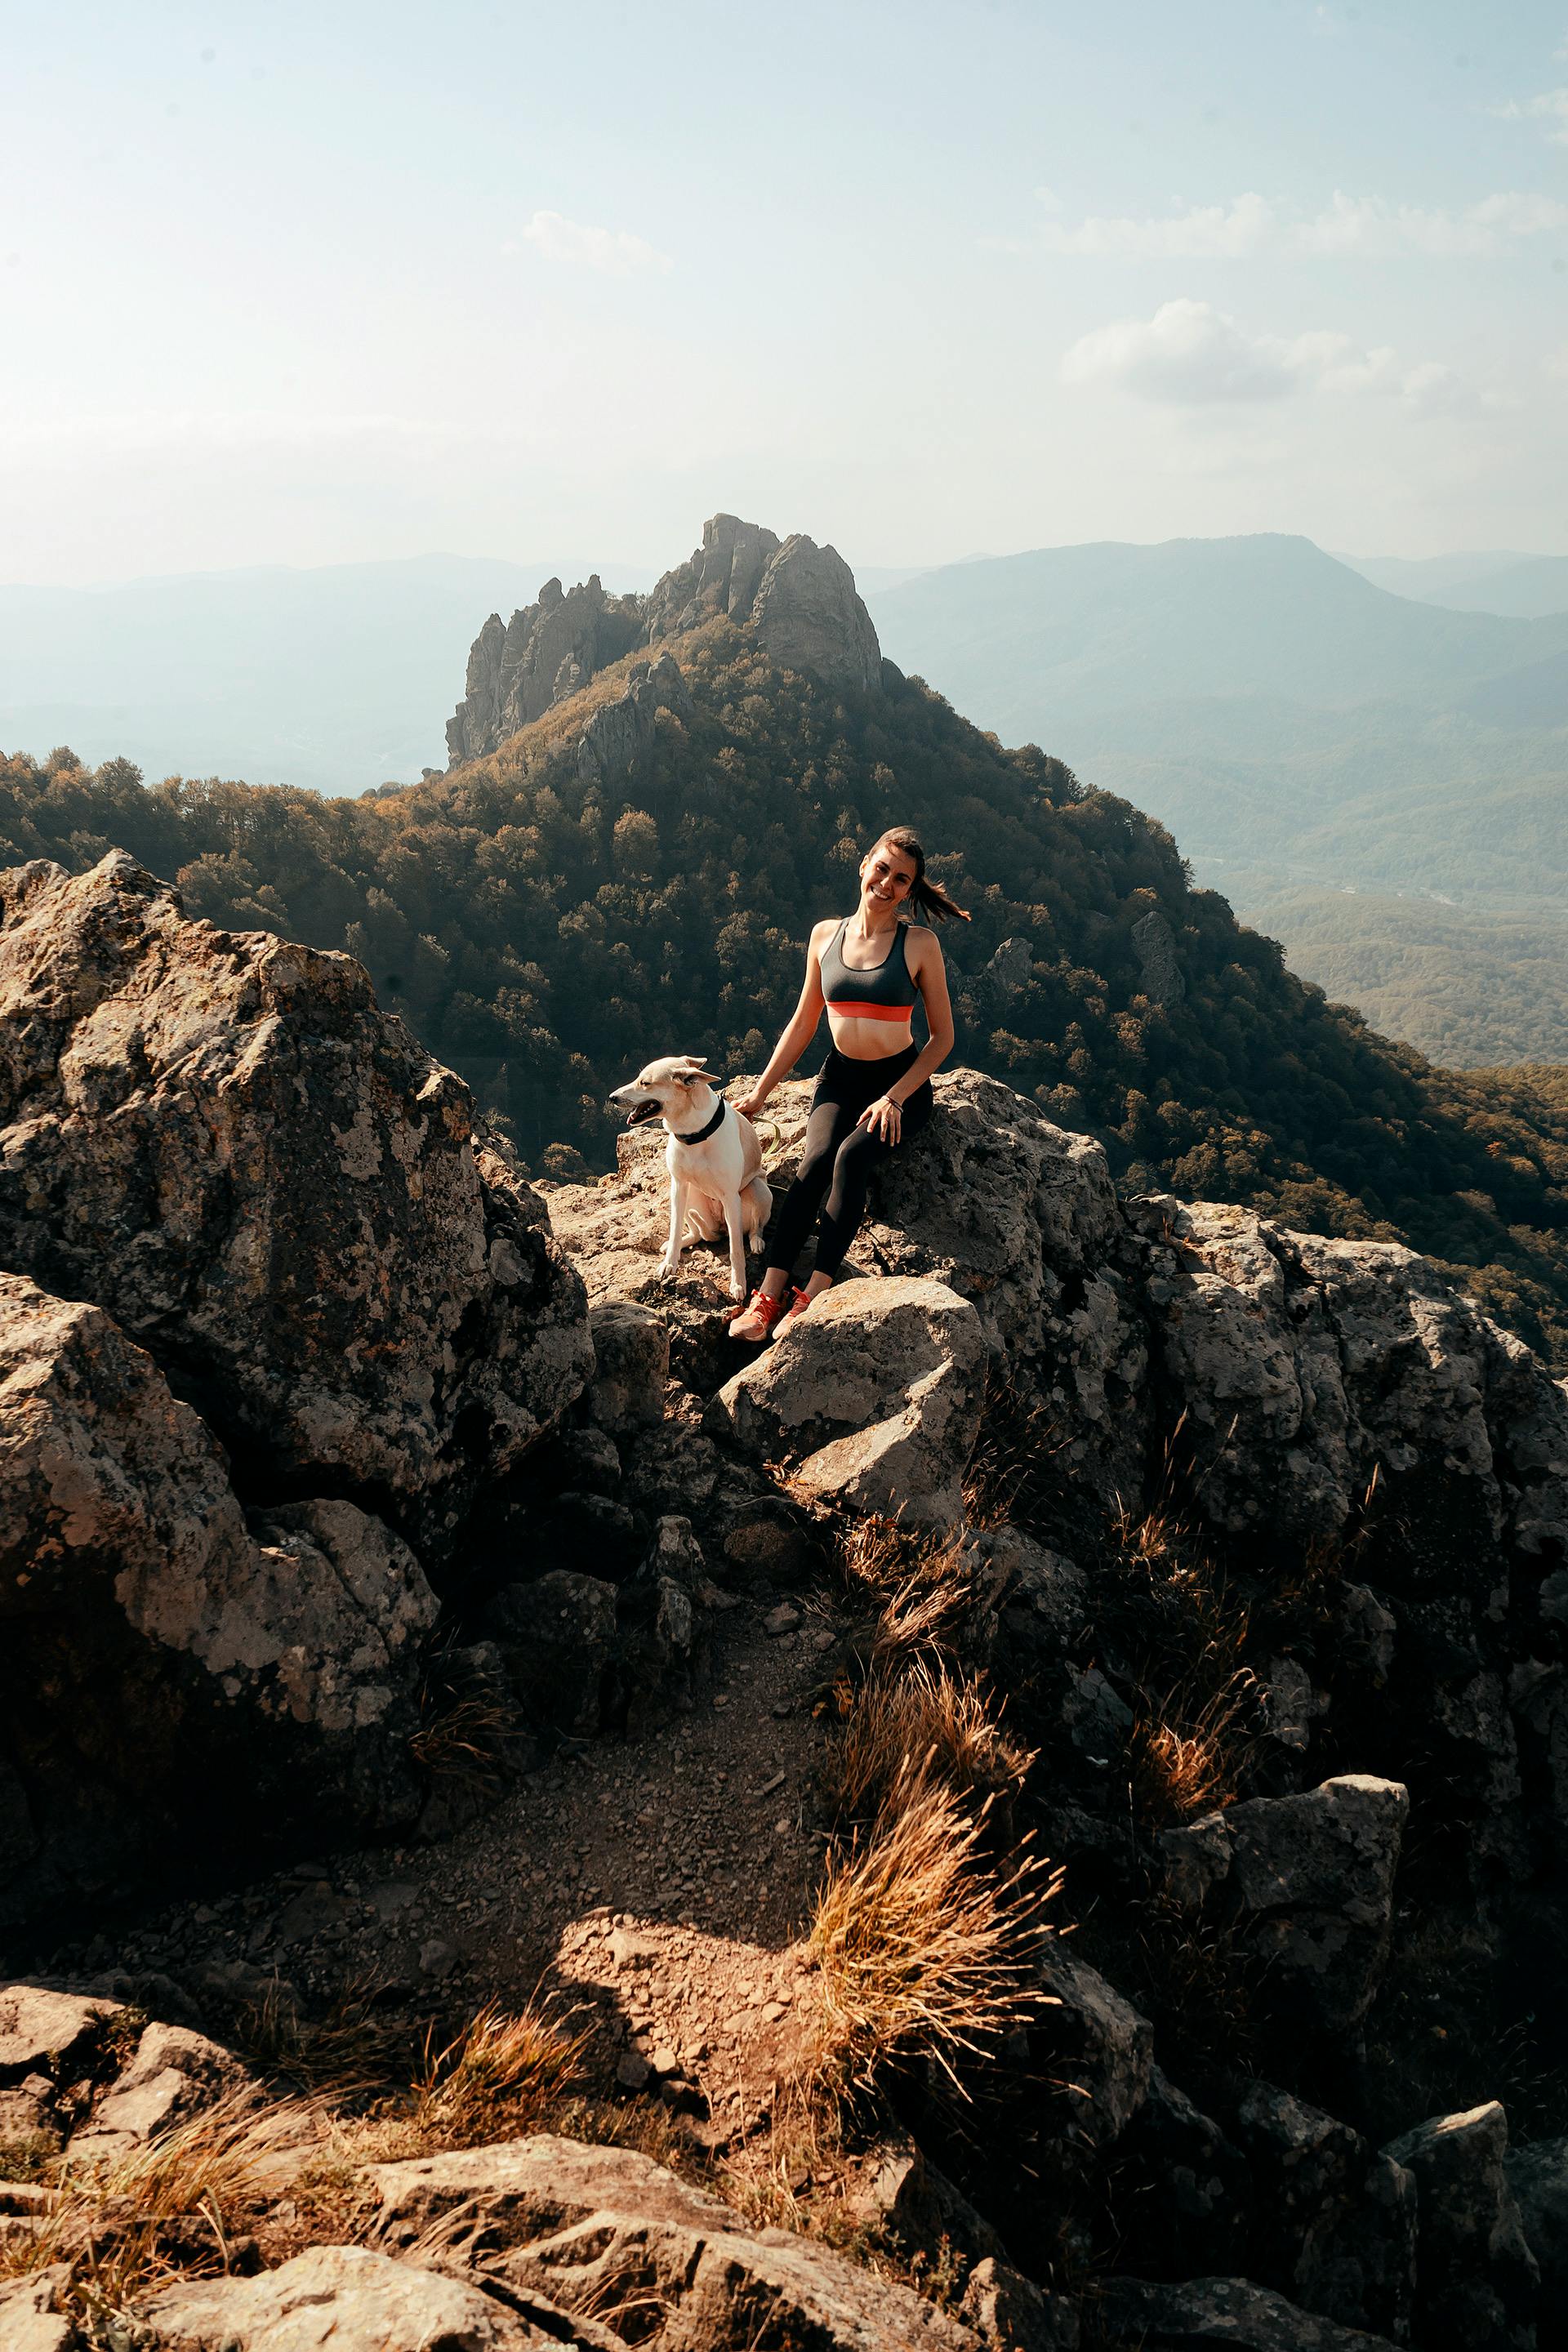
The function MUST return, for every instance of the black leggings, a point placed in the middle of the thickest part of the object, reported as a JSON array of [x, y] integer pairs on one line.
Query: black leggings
[[839, 1157]]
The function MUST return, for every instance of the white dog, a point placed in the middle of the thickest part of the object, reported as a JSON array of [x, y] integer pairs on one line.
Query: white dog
[[715, 1161]]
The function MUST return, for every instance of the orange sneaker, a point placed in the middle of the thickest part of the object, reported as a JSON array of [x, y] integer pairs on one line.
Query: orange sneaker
[[797, 1307], [764, 1309]]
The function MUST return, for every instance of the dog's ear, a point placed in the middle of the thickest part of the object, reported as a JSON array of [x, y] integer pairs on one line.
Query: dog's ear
[[692, 1066]]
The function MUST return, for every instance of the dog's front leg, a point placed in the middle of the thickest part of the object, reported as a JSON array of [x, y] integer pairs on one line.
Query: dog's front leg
[[670, 1262], [735, 1219]]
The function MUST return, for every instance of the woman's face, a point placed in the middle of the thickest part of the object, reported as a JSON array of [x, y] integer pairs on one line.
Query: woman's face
[[886, 875]]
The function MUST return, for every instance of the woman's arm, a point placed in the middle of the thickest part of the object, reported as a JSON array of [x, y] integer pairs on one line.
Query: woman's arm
[[802, 1026], [922, 951]]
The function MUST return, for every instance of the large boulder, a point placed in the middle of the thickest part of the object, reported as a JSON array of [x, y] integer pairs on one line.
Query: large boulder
[[874, 1399], [1335, 2218], [1538, 2177], [220, 1139], [584, 2224], [163, 1665], [1308, 1368], [349, 2297], [1137, 2315], [1309, 1881], [1477, 2282]]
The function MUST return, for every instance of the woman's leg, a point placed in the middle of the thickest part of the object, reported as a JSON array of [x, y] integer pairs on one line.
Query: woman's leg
[[824, 1130], [858, 1155], [845, 1206]]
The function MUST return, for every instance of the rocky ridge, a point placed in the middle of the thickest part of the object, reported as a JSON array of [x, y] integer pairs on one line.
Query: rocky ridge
[[1143, 1438], [797, 599]]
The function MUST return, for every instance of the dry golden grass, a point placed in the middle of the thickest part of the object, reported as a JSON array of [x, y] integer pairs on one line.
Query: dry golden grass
[[351, 2051], [168, 2208], [919, 1949], [925, 1714], [1186, 1759], [493, 2076], [1007, 1477]]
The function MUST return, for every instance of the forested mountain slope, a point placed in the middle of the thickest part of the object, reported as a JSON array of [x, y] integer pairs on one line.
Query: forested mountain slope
[[547, 923]]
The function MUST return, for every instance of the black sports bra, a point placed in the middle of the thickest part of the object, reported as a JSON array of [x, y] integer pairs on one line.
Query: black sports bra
[[885, 993]]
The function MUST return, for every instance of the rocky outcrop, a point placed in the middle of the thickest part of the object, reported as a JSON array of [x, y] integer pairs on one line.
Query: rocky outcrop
[[1309, 1881], [352, 2297], [1205, 2312], [585, 2223], [219, 1138], [798, 600], [617, 743], [873, 1399], [549, 649], [1477, 2282], [272, 1324], [142, 1621]]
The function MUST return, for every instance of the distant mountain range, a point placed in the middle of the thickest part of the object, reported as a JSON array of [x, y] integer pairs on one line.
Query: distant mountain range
[[1307, 725], [1303, 731], [1525, 586]]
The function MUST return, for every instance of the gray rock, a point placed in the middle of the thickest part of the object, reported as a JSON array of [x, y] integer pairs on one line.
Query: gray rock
[[44, 2033], [558, 1637], [1189, 2186], [1537, 2175], [29, 2321], [1311, 1880], [901, 2193], [173, 2074], [1335, 2218], [809, 617], [278, 1664], [1476, 2283], [585, 2222], [1306, 1365], [1155, 944], [631, 1365], [617, 743], [1010, 2313], [1098, 2045], [1209, 2312], [873, 1399], [349, 2296], [221, 1141]]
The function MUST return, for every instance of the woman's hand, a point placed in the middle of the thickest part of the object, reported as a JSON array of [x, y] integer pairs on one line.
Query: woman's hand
[[885, 1118], [750, 1105]]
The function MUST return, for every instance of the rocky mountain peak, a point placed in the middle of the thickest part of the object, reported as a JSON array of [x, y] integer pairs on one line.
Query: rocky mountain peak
[[798, 598]]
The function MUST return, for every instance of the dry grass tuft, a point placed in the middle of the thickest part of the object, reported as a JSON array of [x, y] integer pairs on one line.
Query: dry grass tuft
[[1186, 1759], [351, 2051], [169, 2209], [495, 2075], [920, 1950], [466, 1724], [926, 1715], [1007, 1478]]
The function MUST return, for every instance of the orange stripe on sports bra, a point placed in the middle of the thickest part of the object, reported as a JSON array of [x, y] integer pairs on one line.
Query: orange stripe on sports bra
[[855, 1009]]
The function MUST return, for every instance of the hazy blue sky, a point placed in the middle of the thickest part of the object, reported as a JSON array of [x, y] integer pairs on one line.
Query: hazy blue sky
[[307, 280]]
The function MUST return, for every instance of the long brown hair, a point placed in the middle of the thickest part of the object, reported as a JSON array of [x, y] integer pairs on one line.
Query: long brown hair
[[927, 898]]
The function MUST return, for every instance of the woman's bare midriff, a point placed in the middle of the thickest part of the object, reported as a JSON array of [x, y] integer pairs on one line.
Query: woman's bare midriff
[[868, 1041]]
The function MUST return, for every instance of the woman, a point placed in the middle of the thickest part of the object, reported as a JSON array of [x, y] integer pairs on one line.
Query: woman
[[875, 1087]]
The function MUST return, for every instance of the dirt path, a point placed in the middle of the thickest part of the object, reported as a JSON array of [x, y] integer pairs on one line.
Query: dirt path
[[657, 1886]]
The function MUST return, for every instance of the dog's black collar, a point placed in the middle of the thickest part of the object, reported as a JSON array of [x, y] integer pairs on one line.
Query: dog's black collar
[[712, 1126]]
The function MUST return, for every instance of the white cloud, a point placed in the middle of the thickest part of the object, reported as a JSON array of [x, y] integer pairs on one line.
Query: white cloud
[[1549, 106], [1190, 355], [1364, 226], [611, 252], [137, 432], [1208, 231]]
